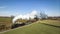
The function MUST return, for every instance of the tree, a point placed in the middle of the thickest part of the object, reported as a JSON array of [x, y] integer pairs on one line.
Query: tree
[[43, 15], [36, 17]]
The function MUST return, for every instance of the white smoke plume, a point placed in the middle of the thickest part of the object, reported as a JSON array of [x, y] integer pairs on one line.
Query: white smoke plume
[[26, 16]]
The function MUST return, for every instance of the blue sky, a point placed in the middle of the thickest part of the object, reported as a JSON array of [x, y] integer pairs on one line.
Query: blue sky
[[17, 7]]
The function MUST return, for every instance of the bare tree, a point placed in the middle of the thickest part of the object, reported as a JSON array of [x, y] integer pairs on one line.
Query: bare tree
[[43, 15]]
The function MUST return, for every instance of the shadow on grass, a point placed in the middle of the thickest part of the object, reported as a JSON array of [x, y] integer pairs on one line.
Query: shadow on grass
[[51, 25]]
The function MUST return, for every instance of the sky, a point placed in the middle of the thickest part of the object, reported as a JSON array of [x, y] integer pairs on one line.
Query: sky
[[17, 7]]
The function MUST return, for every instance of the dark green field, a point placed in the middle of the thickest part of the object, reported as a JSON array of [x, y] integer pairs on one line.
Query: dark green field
[[5, 19]]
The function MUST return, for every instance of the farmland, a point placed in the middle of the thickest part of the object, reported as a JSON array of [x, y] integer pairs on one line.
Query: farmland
[[5, 23], [39, 27], [29, 17]]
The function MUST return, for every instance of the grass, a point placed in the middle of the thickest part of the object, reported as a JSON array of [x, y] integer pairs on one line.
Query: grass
[[37, 28], [52, 22], [5, 23], [5, 20]]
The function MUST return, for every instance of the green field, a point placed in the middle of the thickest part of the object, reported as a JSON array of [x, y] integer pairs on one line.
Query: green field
[[5, 20], [38, 27]]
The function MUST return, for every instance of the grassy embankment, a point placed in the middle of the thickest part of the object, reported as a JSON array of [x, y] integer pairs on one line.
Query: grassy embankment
[[39, 27]]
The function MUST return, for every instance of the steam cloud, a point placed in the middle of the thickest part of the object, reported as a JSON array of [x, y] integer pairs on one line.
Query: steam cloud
[[26, 16]]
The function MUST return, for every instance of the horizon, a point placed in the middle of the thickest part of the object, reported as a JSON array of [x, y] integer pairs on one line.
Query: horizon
[[21, 7]]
